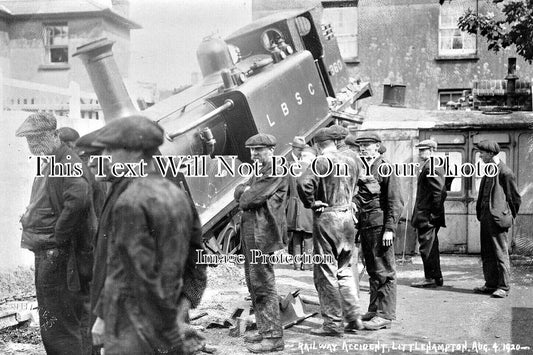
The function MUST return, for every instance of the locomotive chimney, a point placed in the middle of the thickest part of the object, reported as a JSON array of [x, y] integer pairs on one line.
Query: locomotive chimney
[[103, 71]]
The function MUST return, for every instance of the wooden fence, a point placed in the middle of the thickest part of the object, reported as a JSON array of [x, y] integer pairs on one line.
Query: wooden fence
[[68, 102]]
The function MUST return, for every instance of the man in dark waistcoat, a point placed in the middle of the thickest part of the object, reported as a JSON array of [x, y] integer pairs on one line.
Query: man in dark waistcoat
[[58, 226], [329, 193], [428, 214], [149, 232], [497, 205], [380, 203], [263, 200]]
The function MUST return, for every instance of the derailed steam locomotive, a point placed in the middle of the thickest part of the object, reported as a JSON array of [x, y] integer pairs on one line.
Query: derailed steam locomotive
[[281, 75]]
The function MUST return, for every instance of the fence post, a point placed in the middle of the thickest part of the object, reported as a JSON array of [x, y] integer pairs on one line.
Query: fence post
[[74, 100]]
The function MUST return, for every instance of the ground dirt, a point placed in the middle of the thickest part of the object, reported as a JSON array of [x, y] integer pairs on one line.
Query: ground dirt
[[435, 318]]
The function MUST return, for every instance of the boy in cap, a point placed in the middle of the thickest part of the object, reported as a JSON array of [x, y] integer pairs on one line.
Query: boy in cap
[[352, 144], [299, 218], [330, 197], [263, 200], [380, 203], [58, 227], [149, 232], [497, 204], [69, 136], [428, 214]]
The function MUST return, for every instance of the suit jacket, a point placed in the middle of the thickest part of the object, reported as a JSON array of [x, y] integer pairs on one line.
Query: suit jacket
[[504, 197], [430, 197], [299, 218]]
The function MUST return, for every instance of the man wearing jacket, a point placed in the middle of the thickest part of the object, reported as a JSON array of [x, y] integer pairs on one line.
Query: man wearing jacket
[[299, 218], [149, 232], [330, 195], [428, 214], [380, 203], [58, 227], [497, 204], [263, 200]]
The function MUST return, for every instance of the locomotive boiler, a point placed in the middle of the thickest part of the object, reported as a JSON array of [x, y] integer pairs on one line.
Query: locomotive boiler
[[281, 75]]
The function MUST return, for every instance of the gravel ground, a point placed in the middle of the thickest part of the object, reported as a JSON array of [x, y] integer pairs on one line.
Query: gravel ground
[[447, 315]]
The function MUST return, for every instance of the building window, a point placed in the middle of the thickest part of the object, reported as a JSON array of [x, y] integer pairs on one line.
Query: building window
[[453, 41], [56, 43], [342, 15], [451, 98]]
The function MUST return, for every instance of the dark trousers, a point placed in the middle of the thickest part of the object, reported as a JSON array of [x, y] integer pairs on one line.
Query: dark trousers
[[302, 242], [381, 268], [334, 235], [494, 253], [126, 340], [62, 313], [261, 283], [429, 251]]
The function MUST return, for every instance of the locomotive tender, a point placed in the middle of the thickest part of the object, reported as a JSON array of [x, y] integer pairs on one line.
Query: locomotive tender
[[281, 75]]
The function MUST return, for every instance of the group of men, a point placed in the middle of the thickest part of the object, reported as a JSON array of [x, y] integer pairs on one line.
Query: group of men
[[361, 207], [124, 265], [344, 206], [125, 268]]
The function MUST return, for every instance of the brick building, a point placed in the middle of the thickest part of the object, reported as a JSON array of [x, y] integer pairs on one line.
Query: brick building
[[415, 43]]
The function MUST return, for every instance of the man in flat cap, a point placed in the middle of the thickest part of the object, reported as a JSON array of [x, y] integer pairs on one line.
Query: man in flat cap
[[346, 145], [329, 194], [497, 204], [263, 200], [428, 214], [380, 202], [85, 150], [69, 136], [150, 232], [299, 218], [350, 141], [58, 227]]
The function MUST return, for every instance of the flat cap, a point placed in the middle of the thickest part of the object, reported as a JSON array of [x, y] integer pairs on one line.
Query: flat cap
[[426, 144], [261, 140], [86, 143], [37, 123], [488, 146], [351, 140], [338, 132], [368, 137], [134, 132], [67, 134], [298, 142], [324, 134]]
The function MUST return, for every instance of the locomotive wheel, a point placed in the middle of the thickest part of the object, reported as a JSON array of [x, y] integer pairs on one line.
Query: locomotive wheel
[[228, 240]]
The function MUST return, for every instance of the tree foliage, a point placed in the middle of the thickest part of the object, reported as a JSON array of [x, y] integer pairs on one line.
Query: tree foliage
[[515, 27]]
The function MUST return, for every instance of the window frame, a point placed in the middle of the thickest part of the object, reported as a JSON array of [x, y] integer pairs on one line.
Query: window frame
[[49, 47], [450, 92], [339, 5], [456, 53]]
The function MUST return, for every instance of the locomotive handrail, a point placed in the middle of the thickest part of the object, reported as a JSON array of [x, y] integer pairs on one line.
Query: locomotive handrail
[[228, 105]]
